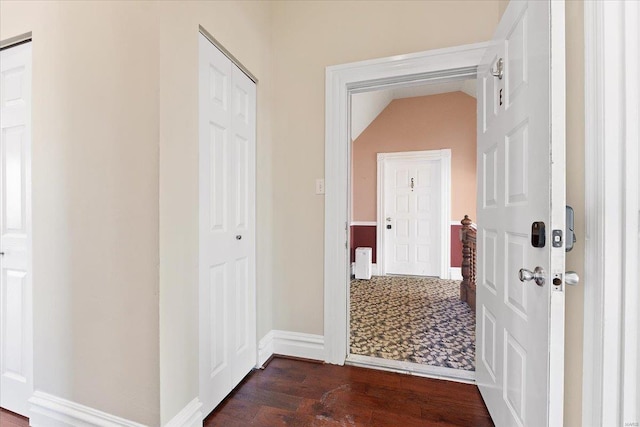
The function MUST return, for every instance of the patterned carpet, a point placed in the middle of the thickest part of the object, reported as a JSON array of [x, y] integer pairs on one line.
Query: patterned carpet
[[412, 319]]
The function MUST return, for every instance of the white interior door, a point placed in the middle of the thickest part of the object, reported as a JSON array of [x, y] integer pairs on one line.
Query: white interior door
[[227, 225], [16, 339], [412, 219], [521, 164]]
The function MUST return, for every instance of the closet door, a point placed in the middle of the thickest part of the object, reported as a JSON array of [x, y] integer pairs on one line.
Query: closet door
[[16, 336], [226, 224]]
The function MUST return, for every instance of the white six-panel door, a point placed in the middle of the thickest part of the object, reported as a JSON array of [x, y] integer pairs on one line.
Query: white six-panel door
[[521, 179], [16, 380], [227, 225], [412, 217]]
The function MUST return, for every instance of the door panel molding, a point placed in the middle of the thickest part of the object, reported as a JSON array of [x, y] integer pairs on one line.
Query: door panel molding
[[342, 80], [443, 156]]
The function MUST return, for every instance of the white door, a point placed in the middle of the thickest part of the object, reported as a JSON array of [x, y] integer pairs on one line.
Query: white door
[[412, 218], [521, 165], [227, 225], [16, 340]]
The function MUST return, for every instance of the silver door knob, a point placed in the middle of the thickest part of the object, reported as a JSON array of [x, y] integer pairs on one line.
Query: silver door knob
[[238, 237], [388, 219], [571, 278], [536, 275]]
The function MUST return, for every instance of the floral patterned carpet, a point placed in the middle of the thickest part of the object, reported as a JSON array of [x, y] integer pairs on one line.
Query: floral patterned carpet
[[412, 319]]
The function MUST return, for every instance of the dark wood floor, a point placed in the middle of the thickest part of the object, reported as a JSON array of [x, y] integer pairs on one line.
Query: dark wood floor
[[298, 393], [9, 419]]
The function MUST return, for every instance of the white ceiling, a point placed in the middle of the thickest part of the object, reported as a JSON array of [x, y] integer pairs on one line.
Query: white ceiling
[[366, 106]]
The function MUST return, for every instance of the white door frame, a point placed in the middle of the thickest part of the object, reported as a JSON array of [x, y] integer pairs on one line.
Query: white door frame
[[458, 62], [444, 158], [611, 373]]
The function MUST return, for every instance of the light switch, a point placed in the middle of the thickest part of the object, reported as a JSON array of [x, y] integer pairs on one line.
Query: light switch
[[320, 186]]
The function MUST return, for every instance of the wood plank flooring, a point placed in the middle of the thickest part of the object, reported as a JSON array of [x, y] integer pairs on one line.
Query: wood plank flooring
[[307, 394], [300, 393], [9, 419]]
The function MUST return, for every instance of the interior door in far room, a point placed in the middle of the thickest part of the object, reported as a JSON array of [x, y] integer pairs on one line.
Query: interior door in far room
[[412, 217], [16, 339], [227, 225]]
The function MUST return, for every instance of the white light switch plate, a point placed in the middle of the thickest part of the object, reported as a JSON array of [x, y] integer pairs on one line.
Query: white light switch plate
[[320, 186]]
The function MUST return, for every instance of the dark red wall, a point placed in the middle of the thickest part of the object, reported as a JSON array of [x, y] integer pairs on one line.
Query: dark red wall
[[456, 246], [365, 236]]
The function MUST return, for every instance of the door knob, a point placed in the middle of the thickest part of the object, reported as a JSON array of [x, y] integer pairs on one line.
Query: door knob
[[571, 278], [238, 237], [536, 275], [388, 219]]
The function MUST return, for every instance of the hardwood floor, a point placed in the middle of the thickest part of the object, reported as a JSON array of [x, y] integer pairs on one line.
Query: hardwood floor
[[299, 393], [9, 419]]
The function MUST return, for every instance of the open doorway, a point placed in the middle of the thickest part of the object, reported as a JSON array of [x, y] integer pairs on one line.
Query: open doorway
[[413, 180]]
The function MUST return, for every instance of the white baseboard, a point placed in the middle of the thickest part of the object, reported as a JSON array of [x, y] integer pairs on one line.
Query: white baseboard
[[265, 349], [455, 273], [294, 344], [47, 410], [189, 416]]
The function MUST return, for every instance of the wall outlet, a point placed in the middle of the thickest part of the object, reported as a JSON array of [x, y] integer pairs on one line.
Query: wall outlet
[[320, 186]]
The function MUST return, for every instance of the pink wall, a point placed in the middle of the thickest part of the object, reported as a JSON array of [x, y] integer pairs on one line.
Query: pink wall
[[414, 124]]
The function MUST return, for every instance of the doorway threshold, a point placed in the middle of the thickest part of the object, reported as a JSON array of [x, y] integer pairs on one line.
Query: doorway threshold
[[411, 368]]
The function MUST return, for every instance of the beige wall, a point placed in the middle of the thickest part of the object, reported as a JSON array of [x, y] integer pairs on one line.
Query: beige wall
[[95, 201], [433, 122], [575, 197], [115, 146], [244, 28], [309, 36]]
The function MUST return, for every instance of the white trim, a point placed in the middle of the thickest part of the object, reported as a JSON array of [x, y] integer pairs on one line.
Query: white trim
[[48, 410], [610, 365], [410, 368], [444, 157], [189, 416], [341, 81], [293, 344], [265, 349], [297, 344], [455, 273], [363, 224]]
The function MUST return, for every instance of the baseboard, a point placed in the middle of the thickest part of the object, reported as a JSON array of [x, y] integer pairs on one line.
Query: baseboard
[[265, 349], [293, 344], [47, 410], [189, 416], [455, 273]]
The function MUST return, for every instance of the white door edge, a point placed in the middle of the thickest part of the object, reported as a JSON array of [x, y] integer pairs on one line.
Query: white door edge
[[443, 156], [341, 81]]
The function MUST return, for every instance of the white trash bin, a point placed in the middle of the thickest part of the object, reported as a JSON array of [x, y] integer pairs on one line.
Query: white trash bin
[[363, 263]]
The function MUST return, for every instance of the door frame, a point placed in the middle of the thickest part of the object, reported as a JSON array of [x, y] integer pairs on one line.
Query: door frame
[[611, 370], [438, 65], [444, 158]]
